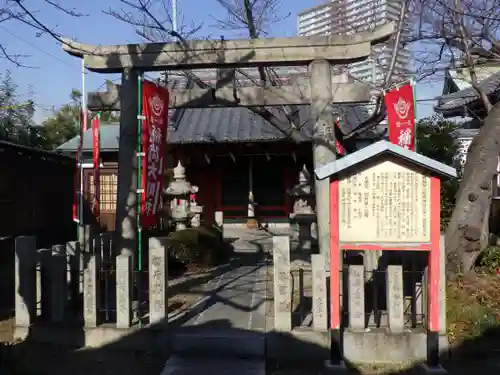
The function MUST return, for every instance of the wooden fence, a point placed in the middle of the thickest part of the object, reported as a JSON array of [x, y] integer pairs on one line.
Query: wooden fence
[[36, 194]]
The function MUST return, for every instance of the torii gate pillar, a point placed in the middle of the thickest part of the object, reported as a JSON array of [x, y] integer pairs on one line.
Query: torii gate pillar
[[320, 82], [126, 208]]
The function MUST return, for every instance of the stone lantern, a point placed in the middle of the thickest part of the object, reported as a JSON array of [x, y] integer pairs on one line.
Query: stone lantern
[[304, 214], [184, 210]]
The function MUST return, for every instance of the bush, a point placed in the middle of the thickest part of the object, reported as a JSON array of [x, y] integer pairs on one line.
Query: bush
[[490, 260], [204, 245]]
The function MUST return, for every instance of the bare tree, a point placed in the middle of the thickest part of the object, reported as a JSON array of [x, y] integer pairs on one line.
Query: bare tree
[[17, 11], [254, 17], [465, 34]]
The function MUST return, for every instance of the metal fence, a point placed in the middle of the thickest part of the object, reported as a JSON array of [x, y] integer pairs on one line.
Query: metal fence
[[374, 286]]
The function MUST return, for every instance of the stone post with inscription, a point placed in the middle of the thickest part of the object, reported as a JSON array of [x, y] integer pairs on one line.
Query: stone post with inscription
[[58, 283], [395, 298], [124, 289], [356, 298], [91, 297], [158, 279], [319, 291], [25, 280], [282, 284]]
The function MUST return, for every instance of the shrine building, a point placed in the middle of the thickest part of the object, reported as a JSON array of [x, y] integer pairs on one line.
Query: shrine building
[[227, 153]]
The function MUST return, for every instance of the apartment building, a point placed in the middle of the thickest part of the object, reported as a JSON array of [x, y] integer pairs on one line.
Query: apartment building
[[351, 16]]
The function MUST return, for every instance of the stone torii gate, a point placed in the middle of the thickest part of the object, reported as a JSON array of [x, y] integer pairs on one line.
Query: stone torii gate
[[317, 52]]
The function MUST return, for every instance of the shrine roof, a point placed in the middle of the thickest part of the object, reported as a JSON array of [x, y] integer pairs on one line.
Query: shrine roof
[[453, 104], [377, 149], [220, 125]]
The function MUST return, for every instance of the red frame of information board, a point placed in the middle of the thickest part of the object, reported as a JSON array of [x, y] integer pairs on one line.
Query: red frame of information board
[[433, 248]]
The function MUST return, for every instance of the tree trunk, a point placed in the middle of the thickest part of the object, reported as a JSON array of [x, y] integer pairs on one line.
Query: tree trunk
[[467, 233]]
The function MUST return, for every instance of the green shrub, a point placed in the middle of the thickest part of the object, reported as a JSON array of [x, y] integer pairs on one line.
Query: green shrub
[[490, 260], [204, 245]]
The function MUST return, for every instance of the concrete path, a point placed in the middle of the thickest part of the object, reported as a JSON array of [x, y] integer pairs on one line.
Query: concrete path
[[230, 324], [206, 366], [237, 296]]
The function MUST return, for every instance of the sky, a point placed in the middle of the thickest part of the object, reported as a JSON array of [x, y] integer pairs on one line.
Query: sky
[[52, 73]]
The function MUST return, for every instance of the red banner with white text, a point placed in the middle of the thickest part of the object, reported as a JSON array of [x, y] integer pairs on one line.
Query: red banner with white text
[[96, 159], [78, 177], [154, 138], [401, 116]]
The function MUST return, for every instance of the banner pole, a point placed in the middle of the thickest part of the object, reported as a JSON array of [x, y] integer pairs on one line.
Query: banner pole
[[414, 85], [140, 152]]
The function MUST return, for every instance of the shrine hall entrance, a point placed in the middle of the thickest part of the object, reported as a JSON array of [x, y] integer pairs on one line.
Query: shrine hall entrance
[[267, 177]]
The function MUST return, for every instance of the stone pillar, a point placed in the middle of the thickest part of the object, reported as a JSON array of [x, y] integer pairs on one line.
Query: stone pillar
[[126, 207], [58, 283], [91, 298], [320, 299], [74, 269], [282, 284], [395, 297], [42, 282], [219, 219], [124, 287], [320, 81], [158, 280], [85, 238], [356, 298], [25, 280]]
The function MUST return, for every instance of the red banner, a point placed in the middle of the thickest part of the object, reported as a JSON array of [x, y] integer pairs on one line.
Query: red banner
[[401, 116], [78, 177], [154, 138], [338, 145], [96, 158]]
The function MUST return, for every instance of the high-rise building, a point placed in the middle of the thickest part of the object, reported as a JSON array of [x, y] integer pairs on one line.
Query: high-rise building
[[351, 16]]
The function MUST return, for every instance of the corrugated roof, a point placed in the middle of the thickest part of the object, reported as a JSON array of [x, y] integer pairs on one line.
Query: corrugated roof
[[457, 100], [109, 139], [220, 125]]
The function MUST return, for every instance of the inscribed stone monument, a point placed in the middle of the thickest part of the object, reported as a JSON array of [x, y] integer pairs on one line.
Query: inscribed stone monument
[[320, 301], [124, 291], [282, 284], [158, 280], [91, 289], [395, 295], [356, 298]]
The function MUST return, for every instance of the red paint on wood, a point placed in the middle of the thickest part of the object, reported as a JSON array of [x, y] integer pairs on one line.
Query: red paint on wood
[[434, 255], [392, 247], [334, 256]]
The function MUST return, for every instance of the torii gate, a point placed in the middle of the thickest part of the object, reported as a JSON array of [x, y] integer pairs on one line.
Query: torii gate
[[317, 52]]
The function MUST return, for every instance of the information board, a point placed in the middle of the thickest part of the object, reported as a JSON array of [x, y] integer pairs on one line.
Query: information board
[[385, 203]]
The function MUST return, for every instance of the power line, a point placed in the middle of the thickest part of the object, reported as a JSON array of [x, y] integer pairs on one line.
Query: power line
[[35, 46]]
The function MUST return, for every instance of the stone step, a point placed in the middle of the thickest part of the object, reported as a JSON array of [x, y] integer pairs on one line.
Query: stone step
[[179, 365], [228, 343]]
